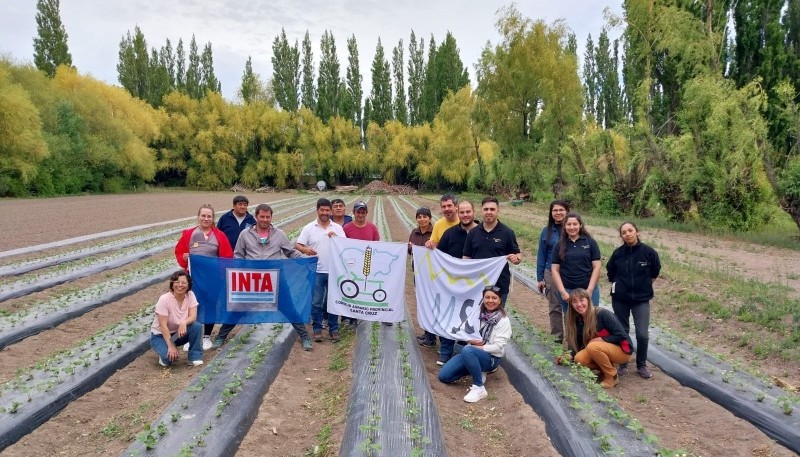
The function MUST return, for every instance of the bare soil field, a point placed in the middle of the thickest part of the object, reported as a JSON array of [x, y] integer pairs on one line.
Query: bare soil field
[[306, 405]]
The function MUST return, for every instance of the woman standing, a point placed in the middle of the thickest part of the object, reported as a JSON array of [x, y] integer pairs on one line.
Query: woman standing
[[576, 261], [176, 317], [547, 241], [483, 355], [205, 239], [595, 338], [632, 269]]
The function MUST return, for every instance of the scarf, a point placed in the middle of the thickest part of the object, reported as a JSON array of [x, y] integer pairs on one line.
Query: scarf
[[491, 319]]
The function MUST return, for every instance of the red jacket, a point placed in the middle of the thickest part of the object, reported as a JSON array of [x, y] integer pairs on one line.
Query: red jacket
[[183, 246]]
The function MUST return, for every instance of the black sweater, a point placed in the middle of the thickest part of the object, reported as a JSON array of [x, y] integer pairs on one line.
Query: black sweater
[[632, 269], [608, 328]]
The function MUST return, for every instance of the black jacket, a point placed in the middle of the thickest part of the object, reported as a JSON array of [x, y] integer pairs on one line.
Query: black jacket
[[608, 328], [632, 269]]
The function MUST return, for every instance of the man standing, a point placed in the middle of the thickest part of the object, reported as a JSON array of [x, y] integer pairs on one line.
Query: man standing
[[337, 212], [492, 238], [314, 239], [361, 229], [236, 220], [448, 204], [452, 244], [263, 241]]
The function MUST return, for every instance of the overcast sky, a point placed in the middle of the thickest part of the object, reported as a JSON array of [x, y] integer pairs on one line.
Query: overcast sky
[[237, 29]]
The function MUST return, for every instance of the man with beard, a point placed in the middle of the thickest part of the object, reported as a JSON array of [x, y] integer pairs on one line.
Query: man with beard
[[314, 240], [448, 204], [452, 244], [261, 242], [492, 238]]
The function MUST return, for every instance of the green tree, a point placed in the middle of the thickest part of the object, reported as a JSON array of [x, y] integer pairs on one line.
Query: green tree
[[50, 44], [416, 76], [133, 69], [608, 105], [180, 67], [250, 83], [285, 72], [445, 72], [381, 96], [400, 108], [194, 78], [355, 92], [328, 80], [428, 103], [208, 79], [308, 93]]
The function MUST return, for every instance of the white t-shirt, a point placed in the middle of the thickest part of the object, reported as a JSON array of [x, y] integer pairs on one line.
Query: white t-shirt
[[168, 306], [316, 237]]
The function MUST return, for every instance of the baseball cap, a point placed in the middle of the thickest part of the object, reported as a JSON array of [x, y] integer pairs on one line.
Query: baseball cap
[[359, 205]]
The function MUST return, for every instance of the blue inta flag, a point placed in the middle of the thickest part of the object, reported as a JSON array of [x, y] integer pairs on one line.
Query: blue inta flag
[[237, 291]]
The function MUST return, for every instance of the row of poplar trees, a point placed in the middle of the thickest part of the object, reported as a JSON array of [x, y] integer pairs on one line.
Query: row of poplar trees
[[691, 112]]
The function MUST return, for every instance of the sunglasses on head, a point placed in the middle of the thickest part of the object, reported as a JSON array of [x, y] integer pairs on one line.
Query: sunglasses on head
[[494, 289]]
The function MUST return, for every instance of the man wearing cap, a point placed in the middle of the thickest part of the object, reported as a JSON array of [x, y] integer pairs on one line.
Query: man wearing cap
[[360, 229], [314, 240], [236, 220], [337, 212]]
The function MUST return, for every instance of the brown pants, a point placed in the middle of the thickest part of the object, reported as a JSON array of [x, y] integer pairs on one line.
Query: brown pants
[[554, 306], [601, 355]]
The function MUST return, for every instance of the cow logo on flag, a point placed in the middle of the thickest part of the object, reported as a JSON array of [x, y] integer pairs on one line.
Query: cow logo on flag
[[367, 279], [449, 291], [252, 290]]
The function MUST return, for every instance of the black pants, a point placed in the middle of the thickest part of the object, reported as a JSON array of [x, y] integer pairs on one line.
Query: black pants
[[641, 320]]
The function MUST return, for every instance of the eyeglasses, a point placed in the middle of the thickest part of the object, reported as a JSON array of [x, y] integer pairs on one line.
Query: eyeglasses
[[492, 288]]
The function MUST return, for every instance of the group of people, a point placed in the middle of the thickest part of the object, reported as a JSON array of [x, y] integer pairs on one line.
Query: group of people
[[568, 268]]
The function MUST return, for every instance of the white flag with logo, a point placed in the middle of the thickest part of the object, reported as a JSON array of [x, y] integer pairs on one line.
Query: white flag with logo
[[449, 291], [367, 279]]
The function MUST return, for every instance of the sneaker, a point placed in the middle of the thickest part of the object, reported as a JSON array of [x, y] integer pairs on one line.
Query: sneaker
[[195, 363], [186, 347], [335, 337], [622, 369], [218, 342], [475, 393], [610, 382], [161, 362], [442, 361], [318, 337], [422, 338], [307, 344], [644, 372], [207, 343]]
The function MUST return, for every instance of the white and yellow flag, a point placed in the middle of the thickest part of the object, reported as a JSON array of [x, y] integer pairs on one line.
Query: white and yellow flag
[[367, 279], [449, 291]]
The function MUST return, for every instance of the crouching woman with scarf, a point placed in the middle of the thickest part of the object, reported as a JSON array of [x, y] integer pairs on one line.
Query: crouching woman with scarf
[[481, 356], [595, 337]]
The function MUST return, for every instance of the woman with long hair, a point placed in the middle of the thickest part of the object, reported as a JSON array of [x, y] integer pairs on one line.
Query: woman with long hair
[[575, 261], [176, 322], [204, 239], [632, 269], [595, 338], [547, 241], [481, 355]]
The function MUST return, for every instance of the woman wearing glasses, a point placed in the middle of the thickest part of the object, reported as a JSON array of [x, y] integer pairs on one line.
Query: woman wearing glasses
[[205, 239], [176, 323], [547, 241], [481, 355]]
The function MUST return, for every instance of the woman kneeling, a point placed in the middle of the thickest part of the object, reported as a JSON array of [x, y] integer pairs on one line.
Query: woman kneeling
[[595, 337], [176, 322], [483, 355]]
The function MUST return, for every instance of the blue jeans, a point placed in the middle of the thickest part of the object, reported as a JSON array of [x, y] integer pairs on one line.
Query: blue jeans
[[641, 319], [446, 348], [564, 306], [471, 361], [319, 304], [194, 336]]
